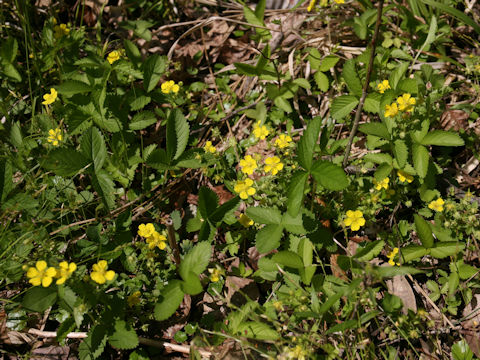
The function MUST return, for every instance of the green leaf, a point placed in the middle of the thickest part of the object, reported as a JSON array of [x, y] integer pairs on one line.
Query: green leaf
[[132, 52], [289, 259], [207, 202], [263, 215], [103, 185], [454, 12], [328, 62], [39, 299], [196, 260], [305, 250], [16, 137], [124, 336], [9, 49], [257, 330], [408, 86], [442, 138], [72, 87], [372, 103], [346, 325], [283, 104], [158, 160], [10, 71], [370, 250], [421, 158], [293, 224], [322, 81], [268, 238], [446, 248], [295, 191], [65, 327], [306, 145], [94, 344], [142, 120], [332, 299], [92, 146], [220, 213], [191, 284], [349, 74], [6, 179], [461, 351], [383, 171], [139, 103], [260, 9], [314, 58], [431, 32], [424, 231], [413, 252], [400, 151], [343, 106], [391, 271], [397, 74], [65, 162], [177, 134], [379, 158], [330, 176], [376, 129], [172, 297], [153, 70]]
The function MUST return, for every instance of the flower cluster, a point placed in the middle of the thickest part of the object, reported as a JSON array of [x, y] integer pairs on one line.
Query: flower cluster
[[404, 177], [61, 30], [354, 219], [248, 165], [113, 56], [403, 103], [54, 136], [273, 165], [436, 205], [260, 131], [170, 86], [244, 188], [391, 256], [384, 85], [100, 274], [152, 236], [381, 184], [43, 275], [209, 148], [283, 141]]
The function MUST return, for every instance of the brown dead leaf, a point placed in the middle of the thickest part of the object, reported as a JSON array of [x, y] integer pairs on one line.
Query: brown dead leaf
[[471, 327], [454, 119], [238, 288], [336, 270], [400, 287], [51, 353]]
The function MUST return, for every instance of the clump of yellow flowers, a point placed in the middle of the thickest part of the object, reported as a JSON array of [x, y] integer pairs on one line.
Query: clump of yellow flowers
[[54, 136], [209, 148], [273, 165], [404, 176], [437, 205], [391, 256], [248, 165], [384, 85], [50, 98], [170, 86], [152, 236], [100, 274], [43, 275], [381, 184], [244, 188], [354, 219], [113, 56], [283, 141], [405, 103], [260, 131], [60, 30]]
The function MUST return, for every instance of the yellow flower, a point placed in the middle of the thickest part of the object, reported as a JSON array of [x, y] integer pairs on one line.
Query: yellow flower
[[403, 176], [113, 56], [283, 141], [244, 188], [170, 86], [209, 147], [311, 5], [100, 274], [391, 256], [248, 165], [64, 271], [391, 110], [245, 220], [134, 299], [340, 1], [436, 205], [278, 305], [158, 240], [381, 184], [61, 30], [215, 274], [50, 98], [354, 219], [297, 353], [406, 102], [54, 136], [384, 85], [40, 274], [273, 165], [260, 131], [146, 230]]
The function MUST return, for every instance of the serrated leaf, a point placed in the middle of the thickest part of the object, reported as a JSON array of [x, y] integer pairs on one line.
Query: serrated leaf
[[142, 120], [372, 103], [446, 248], [461, 351], [178, 132], [350, 75], [65, 327], [268, 238], [328, 62], [306, 145], [39, 299], [158, 160], [321, 80], [196, 260], [172, 297], [400, 151], [379, 158], [288, 258], [293, 224], [220, 213], [257, 330], [92, 146], [295, 192], [343, 106], [153, 70], [413, 252], [305, 250], [369, 251], [330, 176], [391, 271], [94, 344], [139, 102], [442, 138], [191, 284], [65, 162], [376, 129], [124, 336], [421, 158], [397, 74], [383, 171], [10, 71], [263, 215], [424, 231], [314, 58], [6, 178], [72, 87], [207, 202], [132, 52], [104, 186]]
